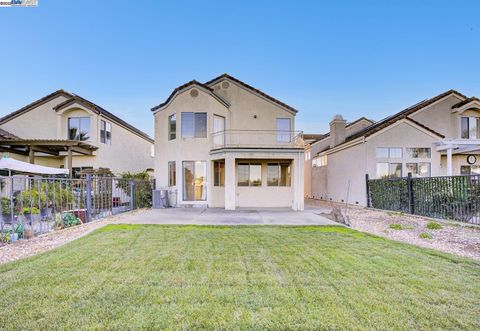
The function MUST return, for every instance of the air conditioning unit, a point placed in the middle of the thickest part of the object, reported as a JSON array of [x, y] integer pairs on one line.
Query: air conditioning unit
[[160, 199]]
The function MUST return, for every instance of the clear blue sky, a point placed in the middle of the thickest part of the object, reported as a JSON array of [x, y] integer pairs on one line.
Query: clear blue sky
[[357, 58]]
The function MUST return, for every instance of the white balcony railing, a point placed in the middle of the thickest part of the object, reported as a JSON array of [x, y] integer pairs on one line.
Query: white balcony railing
[[256, 139]]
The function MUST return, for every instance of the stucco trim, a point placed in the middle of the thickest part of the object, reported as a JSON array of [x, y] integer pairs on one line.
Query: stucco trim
[[35, 104], [252, 90], [75, 99], [186, 87]]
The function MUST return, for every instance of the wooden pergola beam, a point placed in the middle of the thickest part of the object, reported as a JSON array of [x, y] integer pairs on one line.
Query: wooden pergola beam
[[13, 150]]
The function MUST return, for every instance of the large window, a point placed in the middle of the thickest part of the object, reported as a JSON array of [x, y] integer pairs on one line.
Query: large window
[[279, 174], [283, 130], [194, 125], [194, 180], [389, 170], [470, 127], [105, 132], [470, 170], [172, 127], [219, 130], [249, 174], [218, 173], [418, 152], [79, 128], [389, 152], [172, 173], [421, 169]]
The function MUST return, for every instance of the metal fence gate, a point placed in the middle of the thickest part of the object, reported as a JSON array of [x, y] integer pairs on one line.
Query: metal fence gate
[[35, 205]]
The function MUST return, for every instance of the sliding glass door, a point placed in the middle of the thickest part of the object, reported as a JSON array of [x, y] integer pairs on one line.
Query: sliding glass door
[[194, 180]]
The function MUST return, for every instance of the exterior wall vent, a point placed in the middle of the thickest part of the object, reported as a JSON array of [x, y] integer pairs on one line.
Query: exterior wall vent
[[194, 93], [225, 85]]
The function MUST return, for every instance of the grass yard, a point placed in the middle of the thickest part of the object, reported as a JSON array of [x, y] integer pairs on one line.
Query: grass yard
[[192, 277]]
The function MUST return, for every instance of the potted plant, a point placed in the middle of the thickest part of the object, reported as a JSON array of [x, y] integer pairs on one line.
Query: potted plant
[[27, 212], [6, 211]]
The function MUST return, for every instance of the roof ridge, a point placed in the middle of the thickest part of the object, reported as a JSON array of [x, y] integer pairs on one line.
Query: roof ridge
[[265, 95]]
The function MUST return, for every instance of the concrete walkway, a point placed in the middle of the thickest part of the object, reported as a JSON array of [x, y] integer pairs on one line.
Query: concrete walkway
[[217, 216]]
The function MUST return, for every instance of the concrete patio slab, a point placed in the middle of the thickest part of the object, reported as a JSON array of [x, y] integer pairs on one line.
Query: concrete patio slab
[[218, 216]]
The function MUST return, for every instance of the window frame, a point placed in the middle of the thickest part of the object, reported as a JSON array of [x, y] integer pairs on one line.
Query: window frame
[[283, 136], [218, 174], [172, 173], [104, 139], [196, 117], [249, 164], [172, 127], [79, 118], [282, 181]]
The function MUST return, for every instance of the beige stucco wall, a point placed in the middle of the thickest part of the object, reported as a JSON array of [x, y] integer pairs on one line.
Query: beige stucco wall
[[127, 152], [244, 106]]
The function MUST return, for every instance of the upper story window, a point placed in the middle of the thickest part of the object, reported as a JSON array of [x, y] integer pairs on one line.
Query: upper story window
[[105, 132], [284, 130], [194, 125], [389, 152], [172, 127], [418, 152], [470, 127], [79, 128]]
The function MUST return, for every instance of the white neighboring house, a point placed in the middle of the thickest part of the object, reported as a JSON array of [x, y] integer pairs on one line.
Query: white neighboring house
[[435, 137], [64, 130], [226, 144]]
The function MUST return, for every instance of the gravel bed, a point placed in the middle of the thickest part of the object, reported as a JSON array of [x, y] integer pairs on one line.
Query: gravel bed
[[24, 248], [454, 237]]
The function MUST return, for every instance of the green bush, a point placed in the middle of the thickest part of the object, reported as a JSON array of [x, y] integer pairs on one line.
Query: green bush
[[425, 235], [27, 210], [396, 226], [143, 188], [432, 225], [70, 220]]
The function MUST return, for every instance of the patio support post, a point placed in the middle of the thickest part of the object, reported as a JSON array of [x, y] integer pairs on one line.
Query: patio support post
[[230, 187], [31, 155], [69, 160], [88, 197], [449, 162]]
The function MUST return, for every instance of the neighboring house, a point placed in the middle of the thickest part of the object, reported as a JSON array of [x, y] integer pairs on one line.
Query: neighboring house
[[67, 131], [435, 137], [226, 144]]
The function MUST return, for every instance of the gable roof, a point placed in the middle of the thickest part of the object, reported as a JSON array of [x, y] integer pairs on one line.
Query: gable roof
[[5, 135], [363, 118], [251, 88], [101, 111], [404, 114], [464, 102], [187, 85], [34, 104]]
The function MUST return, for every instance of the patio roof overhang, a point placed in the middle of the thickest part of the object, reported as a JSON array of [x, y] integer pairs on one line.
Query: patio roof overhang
[[51, 147]]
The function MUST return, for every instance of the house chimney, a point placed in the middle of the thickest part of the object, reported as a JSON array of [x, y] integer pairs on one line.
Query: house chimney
[[337, 131]]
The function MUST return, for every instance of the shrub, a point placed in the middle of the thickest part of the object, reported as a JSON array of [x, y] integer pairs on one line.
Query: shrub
[[425, 235], [70, 220], [396, 226], [432, 225], [27, 210]]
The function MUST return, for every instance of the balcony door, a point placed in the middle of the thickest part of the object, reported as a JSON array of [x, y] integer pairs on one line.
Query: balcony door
[[218, 131], [194, 180], [283, 130]]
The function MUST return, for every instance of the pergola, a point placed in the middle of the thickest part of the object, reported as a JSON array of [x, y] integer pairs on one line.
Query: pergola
[[52, 147], [457, 146]]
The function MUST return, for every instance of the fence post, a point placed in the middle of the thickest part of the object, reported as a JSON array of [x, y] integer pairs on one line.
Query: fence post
[[89, 197], [411, 207], [132, 190], [368, 190]]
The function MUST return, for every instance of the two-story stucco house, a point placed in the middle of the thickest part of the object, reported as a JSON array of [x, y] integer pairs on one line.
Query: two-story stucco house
[[226, 144], [439, 136], [64, 130]]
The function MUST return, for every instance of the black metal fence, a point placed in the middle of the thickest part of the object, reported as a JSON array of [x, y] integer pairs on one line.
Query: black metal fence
[[449, 197], [34, 205]]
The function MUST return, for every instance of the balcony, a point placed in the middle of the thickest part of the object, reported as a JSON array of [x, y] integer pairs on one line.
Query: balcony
[[256, 139]]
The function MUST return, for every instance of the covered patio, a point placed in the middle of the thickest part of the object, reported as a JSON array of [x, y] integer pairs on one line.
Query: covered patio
[[53, 147], [450, 147]]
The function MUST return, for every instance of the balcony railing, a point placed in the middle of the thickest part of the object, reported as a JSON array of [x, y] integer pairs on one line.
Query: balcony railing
[[256, 139]]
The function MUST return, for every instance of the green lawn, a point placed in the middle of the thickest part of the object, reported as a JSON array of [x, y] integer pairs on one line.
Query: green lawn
[[191, 277]]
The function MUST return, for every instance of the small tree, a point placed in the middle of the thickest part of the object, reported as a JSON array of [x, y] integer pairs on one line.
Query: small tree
[[142, 187]]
